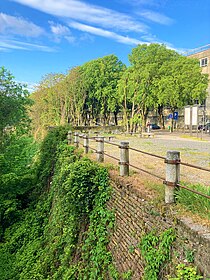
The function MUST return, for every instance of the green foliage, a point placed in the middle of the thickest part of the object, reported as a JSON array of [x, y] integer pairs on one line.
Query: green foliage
[[127, 275], [100, 79], [159, 77], [48, 151], [63, 233], [194, 202], [96, 259], [86, 93], [185, 272], [156, 250], [16, 177], [14, 101], [100, 89]]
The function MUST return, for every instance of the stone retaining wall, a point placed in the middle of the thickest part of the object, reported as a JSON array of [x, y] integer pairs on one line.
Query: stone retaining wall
[[136, 215]]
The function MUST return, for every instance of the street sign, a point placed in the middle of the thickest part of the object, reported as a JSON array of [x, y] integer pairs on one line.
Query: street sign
[[175, 116]]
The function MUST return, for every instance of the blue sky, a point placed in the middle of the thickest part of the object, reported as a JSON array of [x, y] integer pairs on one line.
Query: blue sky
[[38, 37]]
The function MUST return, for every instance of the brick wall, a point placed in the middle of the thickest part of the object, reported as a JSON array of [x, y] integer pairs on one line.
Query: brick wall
[[136, 214]]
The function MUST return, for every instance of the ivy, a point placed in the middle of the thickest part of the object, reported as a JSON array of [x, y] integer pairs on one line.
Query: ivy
[[64, 231], [186, 273], [155, 249]]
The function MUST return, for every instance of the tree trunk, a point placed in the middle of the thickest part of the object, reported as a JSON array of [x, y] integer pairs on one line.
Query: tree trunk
[[115, 118], [161, 116]]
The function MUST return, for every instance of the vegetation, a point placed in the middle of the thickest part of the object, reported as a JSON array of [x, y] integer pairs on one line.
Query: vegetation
[[61, 230], [99, 90], [193, 202], [14, 101], [53, 214], [156, 250], [186, 273]]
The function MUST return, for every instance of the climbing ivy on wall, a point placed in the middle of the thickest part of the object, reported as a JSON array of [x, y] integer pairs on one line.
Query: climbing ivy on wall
[[155, 249], [63, 233]]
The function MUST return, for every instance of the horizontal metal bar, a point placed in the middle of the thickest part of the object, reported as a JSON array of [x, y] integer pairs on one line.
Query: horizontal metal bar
[[140, 169], [172, 161], [194, 191], [170, 184], [146, 153], [195, 166]]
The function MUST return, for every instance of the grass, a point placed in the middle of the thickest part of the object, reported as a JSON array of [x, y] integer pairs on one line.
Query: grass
[[187, 203], [195, 203], [193, 138]]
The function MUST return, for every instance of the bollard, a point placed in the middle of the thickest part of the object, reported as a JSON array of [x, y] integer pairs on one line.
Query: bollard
[[124, 158], [172, 175], [100, 149], [76, 139], [69, 137], [86, 143]]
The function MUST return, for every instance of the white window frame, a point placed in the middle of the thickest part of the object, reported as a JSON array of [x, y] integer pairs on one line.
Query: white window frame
[[204, 61]]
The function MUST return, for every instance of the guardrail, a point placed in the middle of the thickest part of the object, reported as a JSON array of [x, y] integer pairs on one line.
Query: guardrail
[[172, 161]]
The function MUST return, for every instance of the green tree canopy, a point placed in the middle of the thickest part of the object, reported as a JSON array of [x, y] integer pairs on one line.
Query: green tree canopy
[[181, 83], [100, 78], [160, 77], [14, 102]]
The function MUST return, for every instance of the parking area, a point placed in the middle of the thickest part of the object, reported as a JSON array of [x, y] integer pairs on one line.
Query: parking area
[[192, 150]]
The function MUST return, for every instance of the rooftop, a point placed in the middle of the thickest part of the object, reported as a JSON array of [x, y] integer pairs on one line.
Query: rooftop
[[197, 50]]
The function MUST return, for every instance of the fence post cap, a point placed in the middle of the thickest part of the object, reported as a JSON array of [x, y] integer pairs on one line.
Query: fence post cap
[[173, 154], [124, 143]]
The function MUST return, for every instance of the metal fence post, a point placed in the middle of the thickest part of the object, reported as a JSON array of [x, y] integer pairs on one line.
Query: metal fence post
[[76, 139], [69, 137], [124, 158], [172, 175], [86, 143], [100, 149]]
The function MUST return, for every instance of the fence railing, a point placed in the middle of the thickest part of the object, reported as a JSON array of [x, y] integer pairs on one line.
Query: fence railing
[[172, 161]]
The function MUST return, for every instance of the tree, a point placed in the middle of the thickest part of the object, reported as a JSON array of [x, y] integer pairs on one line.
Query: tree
[[159, 77], [14, 103], [100, 79], [48, 108], [146, 62], [75, 97], [181, 83]]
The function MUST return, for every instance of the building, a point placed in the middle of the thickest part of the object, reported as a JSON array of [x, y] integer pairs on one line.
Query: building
[[203, 54]]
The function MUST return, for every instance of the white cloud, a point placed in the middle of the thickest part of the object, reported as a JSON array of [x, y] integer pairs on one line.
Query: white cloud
[[7, 44], [156, 17], [78, 10], [18, 26], [105, 33], [97, 20], [30, 86], [59, 29], [70, 39]]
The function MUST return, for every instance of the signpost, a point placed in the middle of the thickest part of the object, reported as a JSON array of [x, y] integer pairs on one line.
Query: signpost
[[191, 116]]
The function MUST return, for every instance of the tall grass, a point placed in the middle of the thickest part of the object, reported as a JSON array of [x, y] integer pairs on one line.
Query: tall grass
[[194, 202]]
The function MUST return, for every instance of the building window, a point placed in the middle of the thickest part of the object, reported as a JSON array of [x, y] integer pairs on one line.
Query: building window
[[203, 62]]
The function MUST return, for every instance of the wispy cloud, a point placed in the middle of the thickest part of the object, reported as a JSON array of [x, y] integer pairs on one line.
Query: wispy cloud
[[138, 3], [81, 11], [98, 20], [30, 86], [7, 44], [19, 26], [156, 17], [105, 33], [61, 31]]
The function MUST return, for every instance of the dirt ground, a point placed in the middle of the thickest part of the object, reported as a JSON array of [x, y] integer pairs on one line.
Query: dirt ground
[[192, 150]]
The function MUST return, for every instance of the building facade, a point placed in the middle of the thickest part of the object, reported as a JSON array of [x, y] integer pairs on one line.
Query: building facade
[[203, 55]]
